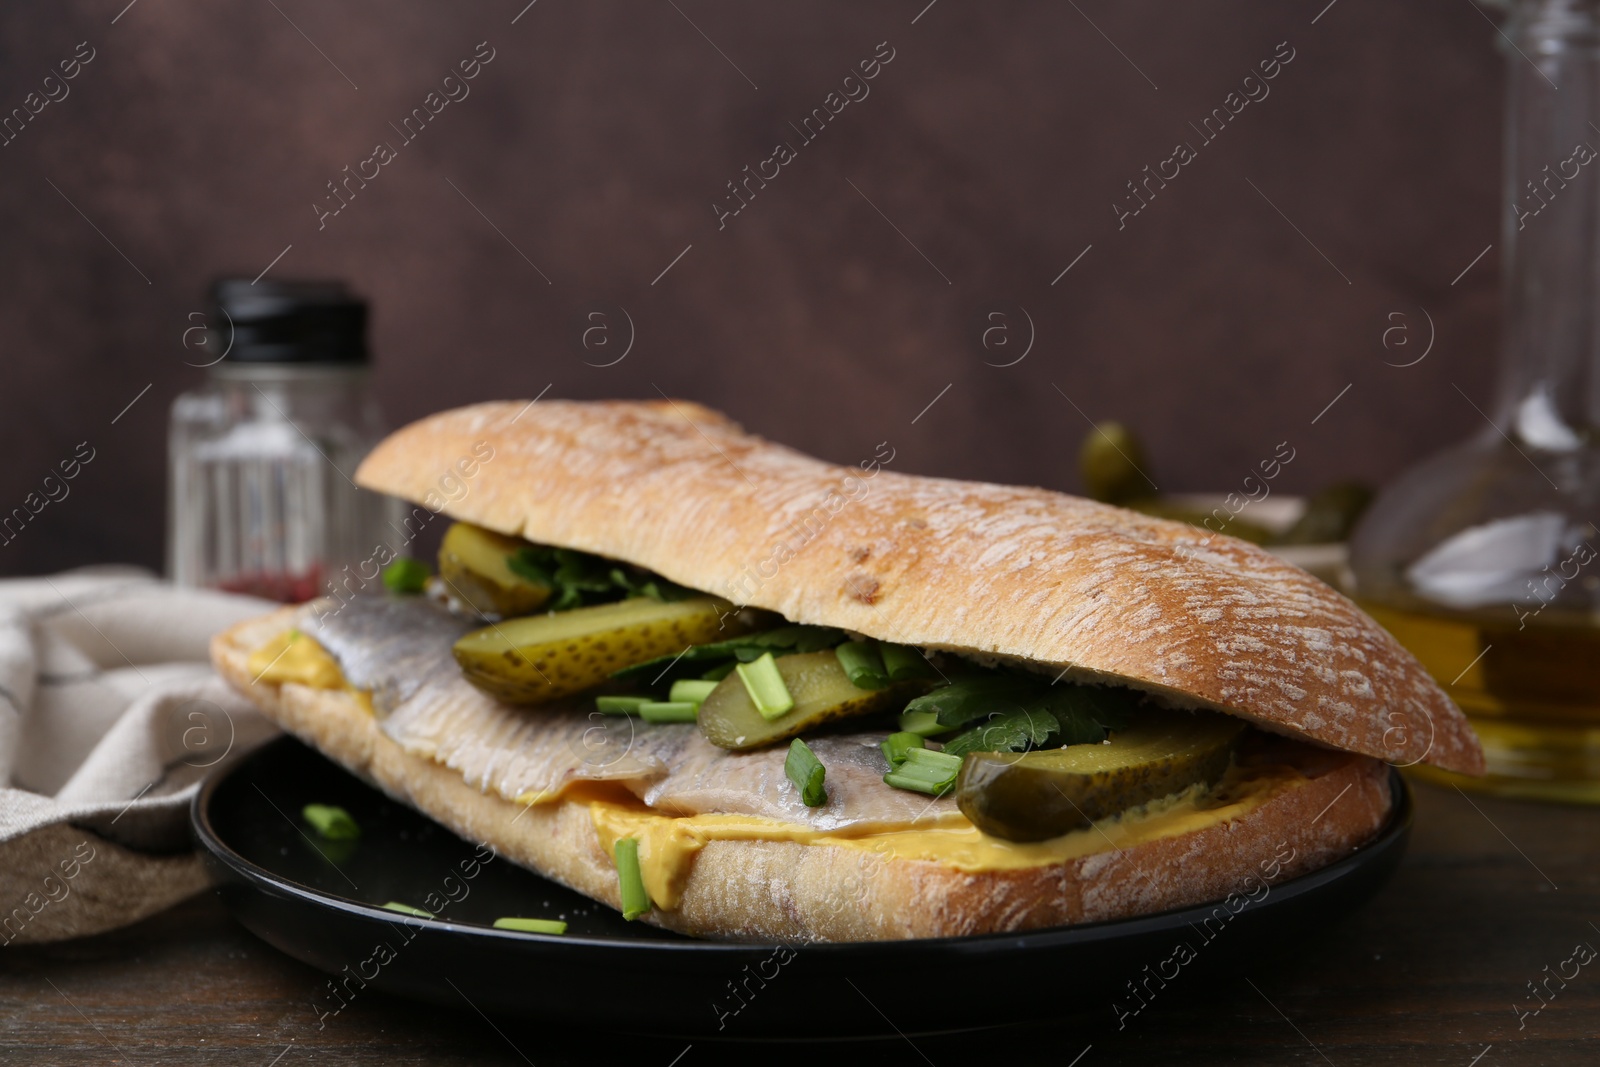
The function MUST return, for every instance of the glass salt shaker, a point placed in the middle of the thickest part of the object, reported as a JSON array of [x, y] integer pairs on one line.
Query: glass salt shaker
[[261, 456]]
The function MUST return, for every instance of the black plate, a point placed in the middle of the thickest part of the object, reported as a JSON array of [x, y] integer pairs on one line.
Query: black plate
[[321, 906]]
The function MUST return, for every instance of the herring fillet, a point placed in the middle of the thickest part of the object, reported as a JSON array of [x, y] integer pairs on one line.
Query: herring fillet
[[399, 650], [386, 645]]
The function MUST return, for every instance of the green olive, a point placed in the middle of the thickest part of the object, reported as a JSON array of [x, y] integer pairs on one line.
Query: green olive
[[541, 657], [1038, 795]]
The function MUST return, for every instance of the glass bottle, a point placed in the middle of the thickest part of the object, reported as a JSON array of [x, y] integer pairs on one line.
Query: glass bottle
[[1483, 559], [261, 456]]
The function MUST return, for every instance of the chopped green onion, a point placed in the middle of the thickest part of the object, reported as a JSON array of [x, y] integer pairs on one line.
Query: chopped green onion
[[407, 909], [406, 575], [331, 823], [719, 672], [925, 771], [620, 705], [895, 747], [862, 663], [669, 711], [630, 881], [902, 662], [807, 773], [693, 690], [928, 757], [532, 926], [923, 723], [933, 787], [765, 686]]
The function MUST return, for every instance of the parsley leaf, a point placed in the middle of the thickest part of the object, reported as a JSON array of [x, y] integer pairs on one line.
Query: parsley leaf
[[1087, 712], [1020, 713], [643, 583], [532, 563], [580, 579], [976, 696], [1009, 731]]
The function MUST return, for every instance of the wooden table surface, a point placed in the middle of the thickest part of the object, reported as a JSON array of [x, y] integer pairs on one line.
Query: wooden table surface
[[1433, 971]]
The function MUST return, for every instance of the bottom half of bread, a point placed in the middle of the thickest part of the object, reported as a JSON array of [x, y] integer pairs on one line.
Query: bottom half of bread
[[794, 891]]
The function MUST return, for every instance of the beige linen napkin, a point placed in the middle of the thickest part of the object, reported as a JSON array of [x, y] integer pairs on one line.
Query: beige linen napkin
[[110, 715]]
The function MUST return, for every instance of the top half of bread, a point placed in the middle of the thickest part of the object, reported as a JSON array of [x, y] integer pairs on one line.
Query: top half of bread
[[1000, 572]]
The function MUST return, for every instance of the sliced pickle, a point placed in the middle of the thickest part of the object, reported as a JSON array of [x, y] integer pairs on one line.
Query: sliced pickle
[[473, 562], [822, 692], [542, 657], [1037, 795]]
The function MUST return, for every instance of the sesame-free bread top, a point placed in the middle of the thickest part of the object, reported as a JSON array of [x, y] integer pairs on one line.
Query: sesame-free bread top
[[1000, 572]]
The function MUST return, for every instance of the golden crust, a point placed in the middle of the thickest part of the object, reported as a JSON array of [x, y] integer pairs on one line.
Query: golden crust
[[1000, 571], [786, 891]]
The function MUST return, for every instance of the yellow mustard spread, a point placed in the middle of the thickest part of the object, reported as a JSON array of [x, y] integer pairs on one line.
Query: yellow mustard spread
[[296, 657]]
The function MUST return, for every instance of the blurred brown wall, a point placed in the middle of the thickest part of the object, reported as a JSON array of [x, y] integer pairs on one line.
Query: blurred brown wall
[[850, 292]]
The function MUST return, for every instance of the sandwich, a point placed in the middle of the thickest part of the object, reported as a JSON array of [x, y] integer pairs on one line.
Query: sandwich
[[744, 694]]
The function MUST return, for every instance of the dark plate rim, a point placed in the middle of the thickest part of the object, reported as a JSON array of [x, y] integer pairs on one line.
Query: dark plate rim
[[1396, 829]]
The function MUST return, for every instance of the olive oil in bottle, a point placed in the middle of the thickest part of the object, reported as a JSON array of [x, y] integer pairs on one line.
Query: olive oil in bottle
[[1533, 695]]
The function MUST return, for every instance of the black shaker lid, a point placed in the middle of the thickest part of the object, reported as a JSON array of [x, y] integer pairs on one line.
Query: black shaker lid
[[288, 322]]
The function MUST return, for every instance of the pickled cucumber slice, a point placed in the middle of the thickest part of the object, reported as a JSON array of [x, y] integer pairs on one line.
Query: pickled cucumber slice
[[1037, 795], [541, 657], [779, 640], [822, 692], [473, 562]]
